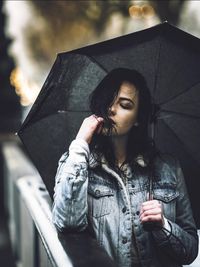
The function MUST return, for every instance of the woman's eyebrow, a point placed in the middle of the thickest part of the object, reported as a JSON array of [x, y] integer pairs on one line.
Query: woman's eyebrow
[[127, 99]]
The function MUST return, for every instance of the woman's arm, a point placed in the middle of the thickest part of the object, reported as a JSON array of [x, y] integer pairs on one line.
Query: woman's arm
[[70, 197], [181, 242]]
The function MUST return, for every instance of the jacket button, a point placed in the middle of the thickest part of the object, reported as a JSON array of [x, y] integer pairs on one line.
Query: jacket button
[[124, 240], [97, 192], [124, 209], [137, 212]]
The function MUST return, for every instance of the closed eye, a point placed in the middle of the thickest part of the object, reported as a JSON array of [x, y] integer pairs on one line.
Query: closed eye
[[126, 104]]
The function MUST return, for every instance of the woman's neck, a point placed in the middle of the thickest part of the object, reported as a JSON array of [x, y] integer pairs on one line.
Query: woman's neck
[[120, 148]]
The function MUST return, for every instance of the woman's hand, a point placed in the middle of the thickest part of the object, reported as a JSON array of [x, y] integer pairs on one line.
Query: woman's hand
[[89, 126], [151, 211]]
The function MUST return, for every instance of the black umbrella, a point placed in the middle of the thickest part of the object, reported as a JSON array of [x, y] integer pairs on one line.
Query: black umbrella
[[168, 57]]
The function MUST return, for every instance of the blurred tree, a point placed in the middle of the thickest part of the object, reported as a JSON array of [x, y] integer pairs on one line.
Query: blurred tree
[[67, 24], [96, 12]]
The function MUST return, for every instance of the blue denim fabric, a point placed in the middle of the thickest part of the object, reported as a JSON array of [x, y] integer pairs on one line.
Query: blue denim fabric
[[87, 196]]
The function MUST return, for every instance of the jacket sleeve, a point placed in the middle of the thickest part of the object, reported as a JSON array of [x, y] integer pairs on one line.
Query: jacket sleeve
[[69, 211], [181, 242]]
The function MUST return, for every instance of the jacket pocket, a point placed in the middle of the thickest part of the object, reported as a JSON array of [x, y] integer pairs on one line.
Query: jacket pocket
[[99, 200], [167, 194]]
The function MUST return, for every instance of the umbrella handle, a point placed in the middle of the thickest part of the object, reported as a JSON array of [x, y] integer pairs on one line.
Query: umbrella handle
[[150, 226], [150, 193]]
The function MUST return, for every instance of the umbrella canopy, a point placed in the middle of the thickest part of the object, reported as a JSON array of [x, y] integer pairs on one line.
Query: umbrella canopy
[[169, 59]]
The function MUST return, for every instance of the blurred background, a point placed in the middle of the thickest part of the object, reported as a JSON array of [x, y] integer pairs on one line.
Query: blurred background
[[31, 34]]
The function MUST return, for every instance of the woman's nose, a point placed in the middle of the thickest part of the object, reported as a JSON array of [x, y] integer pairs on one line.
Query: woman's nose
[[111, 111]]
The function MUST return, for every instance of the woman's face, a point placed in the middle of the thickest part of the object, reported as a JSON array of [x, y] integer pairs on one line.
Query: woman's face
[[124, 109]]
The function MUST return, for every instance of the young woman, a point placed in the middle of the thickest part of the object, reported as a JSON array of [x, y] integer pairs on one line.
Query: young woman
[[114, 182]]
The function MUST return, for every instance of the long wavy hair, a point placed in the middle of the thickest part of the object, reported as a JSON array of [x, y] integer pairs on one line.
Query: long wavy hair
[[139, 143]]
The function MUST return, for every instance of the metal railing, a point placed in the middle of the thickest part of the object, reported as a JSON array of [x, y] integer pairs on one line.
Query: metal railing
[[35, 242]]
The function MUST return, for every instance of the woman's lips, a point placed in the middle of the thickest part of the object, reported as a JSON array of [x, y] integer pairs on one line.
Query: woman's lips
[[108, 127]]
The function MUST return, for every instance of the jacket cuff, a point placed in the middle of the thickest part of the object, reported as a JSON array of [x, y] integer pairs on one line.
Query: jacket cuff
[[164, 233], [167, 226], [79, 148]]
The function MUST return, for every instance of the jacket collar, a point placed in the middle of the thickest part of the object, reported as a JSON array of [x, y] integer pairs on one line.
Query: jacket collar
[[93, 163]]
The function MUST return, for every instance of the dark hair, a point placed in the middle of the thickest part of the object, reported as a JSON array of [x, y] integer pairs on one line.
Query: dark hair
[[139, 142]]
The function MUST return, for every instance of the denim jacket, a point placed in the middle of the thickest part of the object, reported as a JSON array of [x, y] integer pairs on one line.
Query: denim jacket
[[87, 196]]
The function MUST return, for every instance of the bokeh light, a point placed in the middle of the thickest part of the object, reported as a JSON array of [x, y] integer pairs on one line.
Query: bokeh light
[[141, 11], [27, 90]]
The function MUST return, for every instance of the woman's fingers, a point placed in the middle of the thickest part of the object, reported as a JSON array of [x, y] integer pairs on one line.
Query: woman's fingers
[[151, 211], [152, 218], [151, 204], [99, 127], [96, 123], [88, 127], [151, 214]]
